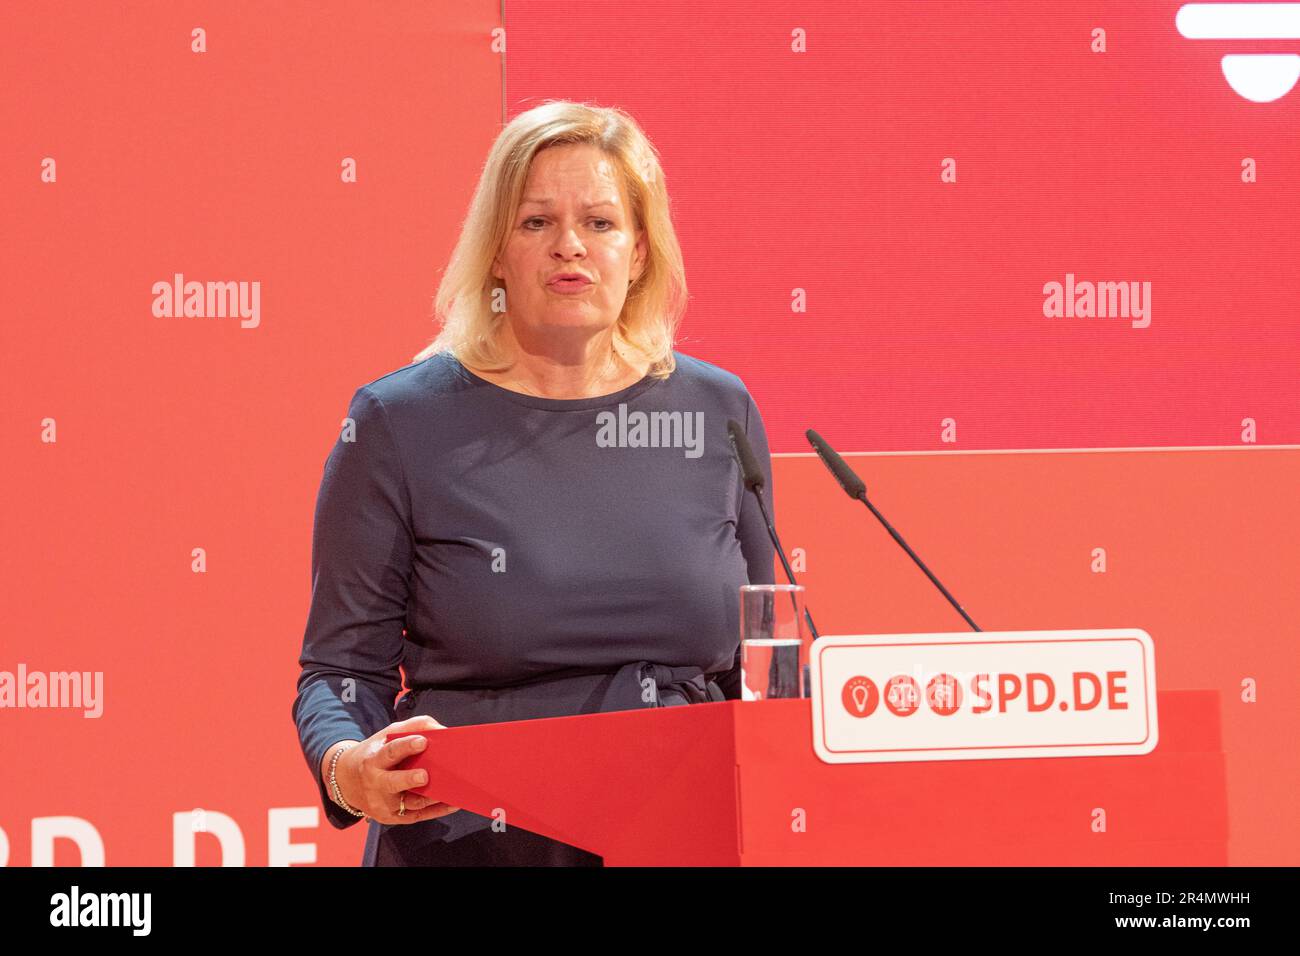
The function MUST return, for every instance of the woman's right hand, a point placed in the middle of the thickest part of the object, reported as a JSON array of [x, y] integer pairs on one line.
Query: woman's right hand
[[368, 782]]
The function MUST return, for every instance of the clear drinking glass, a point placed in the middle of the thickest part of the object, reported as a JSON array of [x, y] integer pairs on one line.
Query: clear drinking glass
[[774, 644]]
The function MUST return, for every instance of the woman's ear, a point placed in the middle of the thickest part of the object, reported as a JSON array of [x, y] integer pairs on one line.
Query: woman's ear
[[640, 254]]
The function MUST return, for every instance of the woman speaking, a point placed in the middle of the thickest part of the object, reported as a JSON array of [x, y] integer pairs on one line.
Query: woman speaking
[[541, 516]]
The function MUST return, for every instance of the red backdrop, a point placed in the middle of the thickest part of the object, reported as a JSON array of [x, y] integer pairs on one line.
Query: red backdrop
[[805, 146]]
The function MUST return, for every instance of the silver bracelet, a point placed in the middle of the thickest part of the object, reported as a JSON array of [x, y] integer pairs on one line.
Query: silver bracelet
[[334, 784]]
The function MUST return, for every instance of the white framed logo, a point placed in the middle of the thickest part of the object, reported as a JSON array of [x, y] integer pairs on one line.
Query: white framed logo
[[983, 696]]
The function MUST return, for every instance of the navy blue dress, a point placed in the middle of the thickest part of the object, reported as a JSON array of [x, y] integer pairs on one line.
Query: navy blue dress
[[522, 557]]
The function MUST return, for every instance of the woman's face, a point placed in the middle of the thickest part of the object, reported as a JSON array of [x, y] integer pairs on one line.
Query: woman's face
[[574, 218]]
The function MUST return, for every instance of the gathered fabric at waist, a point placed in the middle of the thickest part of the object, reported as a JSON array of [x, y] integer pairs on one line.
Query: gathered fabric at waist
[[632, 687]]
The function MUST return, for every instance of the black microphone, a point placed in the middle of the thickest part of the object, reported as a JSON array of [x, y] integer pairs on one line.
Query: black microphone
[[752, 473], [854, 487]]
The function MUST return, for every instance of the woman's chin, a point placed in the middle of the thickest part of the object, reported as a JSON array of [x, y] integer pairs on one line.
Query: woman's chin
[[574, 320]]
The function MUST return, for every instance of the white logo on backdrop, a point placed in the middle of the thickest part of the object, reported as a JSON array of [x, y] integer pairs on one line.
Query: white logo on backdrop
[[1259, 77]]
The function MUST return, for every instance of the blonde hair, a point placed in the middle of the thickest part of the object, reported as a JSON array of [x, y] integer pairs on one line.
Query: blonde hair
[[655, 301]]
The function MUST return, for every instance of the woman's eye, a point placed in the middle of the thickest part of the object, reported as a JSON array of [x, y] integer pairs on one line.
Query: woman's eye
[[608, 224]]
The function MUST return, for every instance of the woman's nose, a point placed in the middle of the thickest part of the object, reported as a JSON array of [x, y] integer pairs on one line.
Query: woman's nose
[[568, 243]]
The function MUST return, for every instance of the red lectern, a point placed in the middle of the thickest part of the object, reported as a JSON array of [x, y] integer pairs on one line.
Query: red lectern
[[738, 784]]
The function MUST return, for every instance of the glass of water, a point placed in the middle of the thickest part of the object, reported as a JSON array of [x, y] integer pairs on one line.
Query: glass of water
[[773, 642]]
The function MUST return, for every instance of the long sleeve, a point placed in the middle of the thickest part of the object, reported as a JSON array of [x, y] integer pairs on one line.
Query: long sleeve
[[755, 543], [362, 547]]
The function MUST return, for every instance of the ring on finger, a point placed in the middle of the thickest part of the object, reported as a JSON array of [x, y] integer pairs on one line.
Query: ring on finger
[[401, 806]]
